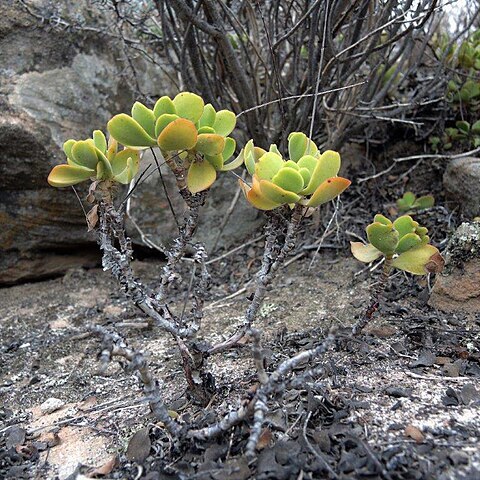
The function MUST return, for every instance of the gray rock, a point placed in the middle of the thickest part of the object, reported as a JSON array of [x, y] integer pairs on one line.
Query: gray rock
[[461, 181], [51, 405], [457, 288]]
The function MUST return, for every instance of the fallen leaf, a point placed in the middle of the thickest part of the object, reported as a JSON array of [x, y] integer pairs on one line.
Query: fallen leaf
[[139, 446], [414, 433], [264, 439], [105, 469]]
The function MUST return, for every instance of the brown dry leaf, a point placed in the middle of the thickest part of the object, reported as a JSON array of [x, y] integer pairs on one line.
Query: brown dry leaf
[[139, 446], [415, 433], [105, 469], [435, 263], [92, 218], [264, 439], [442, 360]]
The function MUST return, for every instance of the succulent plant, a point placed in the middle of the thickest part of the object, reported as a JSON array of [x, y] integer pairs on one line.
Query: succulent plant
[[183, 126], [403, 243], [94, 159], [308, 178], [409, 201]]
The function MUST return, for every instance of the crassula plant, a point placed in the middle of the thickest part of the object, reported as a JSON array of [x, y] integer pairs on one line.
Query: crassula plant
[[308, 178], [192, 136], [93, 159], [404, 245], [410, 201]]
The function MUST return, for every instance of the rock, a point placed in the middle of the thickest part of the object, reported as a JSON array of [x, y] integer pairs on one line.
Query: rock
[[461, 181], [457, 288], [51, 405]]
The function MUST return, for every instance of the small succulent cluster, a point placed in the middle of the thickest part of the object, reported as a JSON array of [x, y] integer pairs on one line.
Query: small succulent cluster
[[186, 128], [94, 159], [404, 242], [410, 201], [308, 178]]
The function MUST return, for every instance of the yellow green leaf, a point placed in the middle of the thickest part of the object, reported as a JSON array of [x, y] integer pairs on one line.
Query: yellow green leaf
[[408, 241], [84, 154], [289, 179], [268, 165], [416, 259], [189, 105], [277, 194], [215, 160], [210, 144], [164, 105], [145, 117], [119, 163], [297, 145], [128, 132], [229, 149], [225, 121], [128, 173], [328, 190], [201, 176], [67, 175], [163, 120], [100, 140], [328, 165], [233, 164], [255, 198], [365, 253], [383, 237], [180, 134], [208, 116]]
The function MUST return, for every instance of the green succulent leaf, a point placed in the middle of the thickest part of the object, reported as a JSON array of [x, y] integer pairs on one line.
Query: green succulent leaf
[[145, 118], [120, 162], [68, 175], [180, 134], [84, 154], [268, 165], [215, 160], [291, 164], [128, 132], [104, 167], [128, 173], [208, 117], [201, 176], [365, 253], [229, 149], [309, 162], [225, 121], [382, 219], [383, 237], [164, 120], [277, 194], [189, 105], [416, 259], [100, 141], [67, 148], [233, 164], [328, 190], [327, 166], [306, 175], [273, 148], [206, 129], [297, 145], [164, 105], [427, 201], [408, 241], [289, 179], [404, 225], [210, 144]]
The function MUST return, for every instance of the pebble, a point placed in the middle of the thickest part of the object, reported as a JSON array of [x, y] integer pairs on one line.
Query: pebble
[[51, 405]]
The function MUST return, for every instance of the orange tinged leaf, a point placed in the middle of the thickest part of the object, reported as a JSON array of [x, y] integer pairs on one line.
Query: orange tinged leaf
[[180, 134]]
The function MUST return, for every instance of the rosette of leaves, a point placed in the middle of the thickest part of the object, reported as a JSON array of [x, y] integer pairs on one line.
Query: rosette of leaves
[[403, 243], [308, 178], [186, 129], [94, 159], [410, 201]]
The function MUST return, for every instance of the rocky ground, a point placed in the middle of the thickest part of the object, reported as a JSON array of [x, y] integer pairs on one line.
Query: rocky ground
[[400, 403]]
